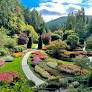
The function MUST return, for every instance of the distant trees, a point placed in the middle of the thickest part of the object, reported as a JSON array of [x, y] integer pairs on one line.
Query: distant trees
[[79, 23], [35, 19]]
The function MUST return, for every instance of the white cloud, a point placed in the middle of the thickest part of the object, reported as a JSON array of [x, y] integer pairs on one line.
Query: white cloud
[[88, 11], [59, 7]]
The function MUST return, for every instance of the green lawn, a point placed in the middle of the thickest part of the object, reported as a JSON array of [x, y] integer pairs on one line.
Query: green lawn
[[34, 46], [13, 66]]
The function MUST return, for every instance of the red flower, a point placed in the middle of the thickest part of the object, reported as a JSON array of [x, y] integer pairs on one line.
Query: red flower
[[8, 76]]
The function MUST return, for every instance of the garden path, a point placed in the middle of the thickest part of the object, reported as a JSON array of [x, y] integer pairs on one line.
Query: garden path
[[29, 74]]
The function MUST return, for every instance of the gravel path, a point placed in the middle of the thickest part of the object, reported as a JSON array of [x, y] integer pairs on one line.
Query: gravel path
[[29, 74]]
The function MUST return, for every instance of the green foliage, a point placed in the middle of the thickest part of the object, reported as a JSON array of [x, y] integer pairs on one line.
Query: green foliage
[[72, 40], [42, 72], [82, 61], [55, 37], [57, 45], [20, 48], [10, 43], [3, 38], [10, 14], [57, 24], [89, 43], [3, 51], [35, 19], [8, 58]]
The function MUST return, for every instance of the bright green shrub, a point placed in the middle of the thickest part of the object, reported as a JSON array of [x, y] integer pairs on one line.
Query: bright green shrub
[[3, 51], [82, 61], [42, 72], [73, 40], [10, 43], [20, 48], [52, 64], [57, 45]]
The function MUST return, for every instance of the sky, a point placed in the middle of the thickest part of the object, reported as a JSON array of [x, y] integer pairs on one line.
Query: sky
[[52, 9]]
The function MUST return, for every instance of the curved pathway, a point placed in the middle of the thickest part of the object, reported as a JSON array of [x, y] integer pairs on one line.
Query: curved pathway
[[29, 74]]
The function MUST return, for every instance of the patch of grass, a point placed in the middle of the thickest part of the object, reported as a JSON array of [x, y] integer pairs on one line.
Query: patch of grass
[[34, 46], [13, 66]]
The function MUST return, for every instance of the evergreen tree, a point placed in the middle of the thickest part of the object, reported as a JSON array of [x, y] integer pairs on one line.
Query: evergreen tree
[[40, 42], [29, 45]]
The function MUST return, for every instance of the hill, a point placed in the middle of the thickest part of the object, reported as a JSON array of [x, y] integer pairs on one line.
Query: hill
[[59, 23]]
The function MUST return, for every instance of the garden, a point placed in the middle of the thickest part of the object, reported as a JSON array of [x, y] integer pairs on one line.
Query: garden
[[37, 58]]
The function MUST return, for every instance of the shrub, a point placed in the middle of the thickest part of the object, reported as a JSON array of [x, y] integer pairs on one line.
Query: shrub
[[59, 32], [89, 43], [42, 72], [22, 39], [72, 40], [55, 37], [72, 69], [20, 48], [10, 43], [57, 45], [40, 43], [3, 51], [46, 38], [52, 64], [82, 61], [8, 58]]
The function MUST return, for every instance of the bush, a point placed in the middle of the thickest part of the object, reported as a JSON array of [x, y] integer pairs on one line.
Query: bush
[[20, 48], [89, 43], [10, 43], [42, 72], [59, 32], [46, 38], [82, 61], [72, 40], [22, 39], [8, 58], [57, 45], [3, 51], [55, 37]]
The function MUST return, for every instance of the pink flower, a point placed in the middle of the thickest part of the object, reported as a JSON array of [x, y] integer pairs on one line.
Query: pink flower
[[2, 62]]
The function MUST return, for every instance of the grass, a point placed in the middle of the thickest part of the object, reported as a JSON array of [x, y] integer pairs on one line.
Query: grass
[[34, 46], [13, 66]]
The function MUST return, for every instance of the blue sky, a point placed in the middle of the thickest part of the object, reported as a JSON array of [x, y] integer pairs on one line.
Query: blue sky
[[52, 9]]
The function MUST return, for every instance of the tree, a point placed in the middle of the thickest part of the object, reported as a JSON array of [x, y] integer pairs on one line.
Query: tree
[[29, 45], [35, 19], [40, 42]]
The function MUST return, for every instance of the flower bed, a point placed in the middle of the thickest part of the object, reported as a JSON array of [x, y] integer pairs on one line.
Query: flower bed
[[8, 76], [1, 63], [18, 54], [72, 69], [38, 56]]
